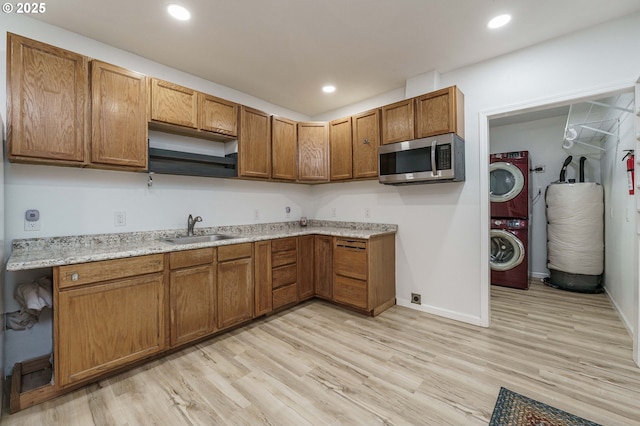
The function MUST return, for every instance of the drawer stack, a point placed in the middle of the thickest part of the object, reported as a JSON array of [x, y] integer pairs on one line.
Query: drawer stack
[[284, 272]]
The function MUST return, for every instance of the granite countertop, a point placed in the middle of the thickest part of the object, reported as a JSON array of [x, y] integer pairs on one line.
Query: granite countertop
[[37, 253]]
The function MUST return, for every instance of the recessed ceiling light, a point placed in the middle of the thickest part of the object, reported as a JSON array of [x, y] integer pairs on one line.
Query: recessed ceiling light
[[499, 21], [179, 12], [329, 89]]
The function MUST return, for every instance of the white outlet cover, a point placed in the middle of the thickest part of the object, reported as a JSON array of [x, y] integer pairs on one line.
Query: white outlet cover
[[31, 225]]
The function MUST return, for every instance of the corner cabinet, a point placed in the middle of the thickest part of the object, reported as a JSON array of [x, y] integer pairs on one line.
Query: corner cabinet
[[313, 152], [254, 144], [440, 112], [47, 103], [118, 117], [106, 315]]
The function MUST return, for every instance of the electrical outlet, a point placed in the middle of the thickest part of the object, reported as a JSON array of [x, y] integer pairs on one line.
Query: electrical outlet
[[333, 212], [367, 212], [539, 169], [256, 215], [416, 298], [119, 218], [31, 225]]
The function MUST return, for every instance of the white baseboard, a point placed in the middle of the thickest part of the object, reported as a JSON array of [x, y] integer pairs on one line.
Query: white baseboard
[[469, 319], [620, 314]]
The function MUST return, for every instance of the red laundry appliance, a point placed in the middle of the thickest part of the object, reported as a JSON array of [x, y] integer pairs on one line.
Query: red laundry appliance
[[510, 253], [509, 184]]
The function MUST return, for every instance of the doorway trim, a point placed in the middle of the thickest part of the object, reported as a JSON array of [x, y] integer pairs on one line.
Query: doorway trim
[[483, 127]]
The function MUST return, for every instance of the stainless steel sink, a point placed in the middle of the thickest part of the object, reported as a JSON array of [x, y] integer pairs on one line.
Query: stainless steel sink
[[200, 238]]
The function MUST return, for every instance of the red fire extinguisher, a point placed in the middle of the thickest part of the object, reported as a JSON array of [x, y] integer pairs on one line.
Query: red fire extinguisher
[[630, 170]]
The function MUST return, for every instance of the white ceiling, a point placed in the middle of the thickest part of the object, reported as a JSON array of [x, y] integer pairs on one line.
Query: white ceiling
[[284, 51]]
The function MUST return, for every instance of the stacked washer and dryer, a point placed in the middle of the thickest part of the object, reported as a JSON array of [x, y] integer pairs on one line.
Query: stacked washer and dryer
[[510, 197]]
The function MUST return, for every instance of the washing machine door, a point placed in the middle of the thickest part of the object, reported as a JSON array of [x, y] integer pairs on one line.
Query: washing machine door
[[507, 251], [505, 182]]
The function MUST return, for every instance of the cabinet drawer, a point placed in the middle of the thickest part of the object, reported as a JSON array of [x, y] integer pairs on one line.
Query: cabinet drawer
[[350, 291], [184, 259], [235, 251], [284, 258], [350, 258], [285, 295], [86, 273], [284, 275], [283, 244]]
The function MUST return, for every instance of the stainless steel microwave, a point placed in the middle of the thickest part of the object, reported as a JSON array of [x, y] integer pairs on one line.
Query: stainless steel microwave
[[427, 160]]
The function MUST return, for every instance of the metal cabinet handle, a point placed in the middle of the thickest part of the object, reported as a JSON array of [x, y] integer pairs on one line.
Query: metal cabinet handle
[[434, 172], [75, 276]]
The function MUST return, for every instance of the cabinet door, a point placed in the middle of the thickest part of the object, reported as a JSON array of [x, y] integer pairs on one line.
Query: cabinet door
[[440, 112], [340, 149], [101, 327], [305, 267], [47, 101], [398, 122], [217, 115], [192, 295], [118, 116], [262, 262], [254, 144], [313, 151], [323, 266], [366, 140], [173, 104], [284, 148], [235, 292]]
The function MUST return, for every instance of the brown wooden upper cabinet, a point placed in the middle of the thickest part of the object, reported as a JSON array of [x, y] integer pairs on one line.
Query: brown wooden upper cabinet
[[173, 104], [366, 140], [284, 147], [398, 121], [440, 112], [118, 116], [217, 115], [254, 144], [313, 151], [340, 149], [47, 102]]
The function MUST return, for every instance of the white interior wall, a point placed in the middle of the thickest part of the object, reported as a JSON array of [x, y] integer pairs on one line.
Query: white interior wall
[[543, 139], [620, 279]]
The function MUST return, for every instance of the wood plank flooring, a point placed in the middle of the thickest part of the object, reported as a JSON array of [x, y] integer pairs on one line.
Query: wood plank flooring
[[319, 364]]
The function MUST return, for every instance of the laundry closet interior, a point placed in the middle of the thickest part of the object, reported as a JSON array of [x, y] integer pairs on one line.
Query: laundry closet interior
[[599, 131]]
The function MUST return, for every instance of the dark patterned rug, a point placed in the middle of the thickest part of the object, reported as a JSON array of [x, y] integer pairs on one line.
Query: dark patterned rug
[[513, 409]]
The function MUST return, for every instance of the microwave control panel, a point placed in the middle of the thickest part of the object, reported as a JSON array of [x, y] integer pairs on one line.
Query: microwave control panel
[[443, 157]]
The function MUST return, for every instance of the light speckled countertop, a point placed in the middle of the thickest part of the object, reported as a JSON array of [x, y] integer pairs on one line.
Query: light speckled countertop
[[37, 253]]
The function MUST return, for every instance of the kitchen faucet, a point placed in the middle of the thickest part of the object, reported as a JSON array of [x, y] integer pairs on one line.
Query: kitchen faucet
[[191, 222]]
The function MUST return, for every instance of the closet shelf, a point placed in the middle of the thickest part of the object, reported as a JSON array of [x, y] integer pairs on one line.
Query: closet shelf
[[591, 124]]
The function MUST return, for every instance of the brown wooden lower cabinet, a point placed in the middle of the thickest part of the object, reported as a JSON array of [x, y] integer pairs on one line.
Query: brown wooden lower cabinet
[[323, 266], [235, 284], [114, 313], [101, 326], [192, 295], [364, 272], [305, 267]]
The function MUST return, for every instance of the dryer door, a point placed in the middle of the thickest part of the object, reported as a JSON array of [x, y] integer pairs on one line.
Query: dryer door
[[507, 251], [505, 182]]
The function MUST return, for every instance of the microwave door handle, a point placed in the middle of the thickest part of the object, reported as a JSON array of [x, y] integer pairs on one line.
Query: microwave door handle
[[434, 172]]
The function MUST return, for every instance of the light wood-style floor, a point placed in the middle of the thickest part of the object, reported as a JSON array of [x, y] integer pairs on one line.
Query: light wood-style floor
[[319, 364]]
